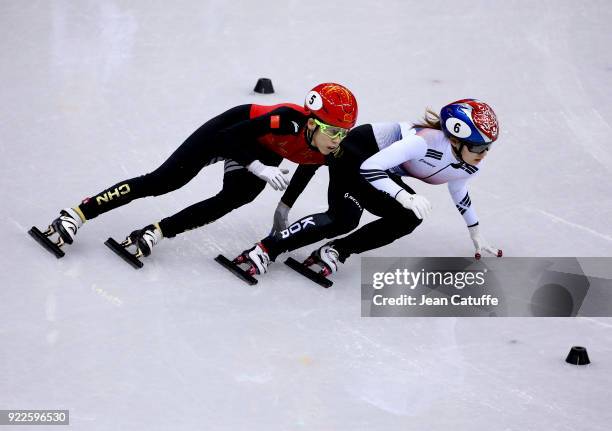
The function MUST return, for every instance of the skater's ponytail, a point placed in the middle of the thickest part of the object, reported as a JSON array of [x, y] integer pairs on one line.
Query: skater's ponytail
[[431, 120]]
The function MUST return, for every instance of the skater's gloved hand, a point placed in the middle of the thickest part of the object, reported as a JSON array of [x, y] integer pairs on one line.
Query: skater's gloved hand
[[481, 245], [281, 217], [419, 205], [271, 174]]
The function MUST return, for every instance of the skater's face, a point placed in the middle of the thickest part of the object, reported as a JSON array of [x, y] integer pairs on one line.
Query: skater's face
[[322, 141], [468, 156]]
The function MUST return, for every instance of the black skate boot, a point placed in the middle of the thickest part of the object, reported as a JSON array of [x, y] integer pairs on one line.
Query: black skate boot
[[141, 241], [65, 226]]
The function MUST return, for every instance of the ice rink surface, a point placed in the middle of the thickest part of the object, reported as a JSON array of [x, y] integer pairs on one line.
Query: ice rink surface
[[97, 91]]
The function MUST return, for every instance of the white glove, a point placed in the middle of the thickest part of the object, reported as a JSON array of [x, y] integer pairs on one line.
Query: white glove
[[281, 217], [419, 205], [480, 245], [271, 174]]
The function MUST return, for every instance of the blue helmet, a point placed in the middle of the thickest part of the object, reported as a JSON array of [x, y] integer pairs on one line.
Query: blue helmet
[[469, 121]]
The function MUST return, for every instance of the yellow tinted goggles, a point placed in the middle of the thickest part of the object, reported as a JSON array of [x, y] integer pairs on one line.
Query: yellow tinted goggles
[[332, 131]]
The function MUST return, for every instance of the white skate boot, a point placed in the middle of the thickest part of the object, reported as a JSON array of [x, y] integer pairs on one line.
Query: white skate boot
[[66, 225], [327, 257], [256, 258], [259, 259], [248, 263]]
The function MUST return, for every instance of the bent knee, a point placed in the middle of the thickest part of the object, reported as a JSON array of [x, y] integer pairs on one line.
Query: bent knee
[[236, 198], [406, 223]]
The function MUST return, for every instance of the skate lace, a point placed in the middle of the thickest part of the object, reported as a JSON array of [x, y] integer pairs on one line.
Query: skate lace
[[259, 258], [150, 238], [331, 253], [263, 256], [69, 223]]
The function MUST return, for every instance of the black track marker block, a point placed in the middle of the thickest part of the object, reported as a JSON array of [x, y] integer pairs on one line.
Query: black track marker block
[[578, 356]]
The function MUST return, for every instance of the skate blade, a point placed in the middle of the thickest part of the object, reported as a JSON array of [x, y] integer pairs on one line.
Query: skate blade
[[120, 251], [236, 270], [308, 273], [44, 240]]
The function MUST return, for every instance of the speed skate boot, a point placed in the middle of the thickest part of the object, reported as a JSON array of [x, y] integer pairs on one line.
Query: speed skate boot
[[140, 241], [248, 263], [256, 259], [327, 257], [65, 226], [144, 239]]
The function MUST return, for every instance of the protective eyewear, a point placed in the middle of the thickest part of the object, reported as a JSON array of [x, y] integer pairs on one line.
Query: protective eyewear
[[478, 149], [332, 131]]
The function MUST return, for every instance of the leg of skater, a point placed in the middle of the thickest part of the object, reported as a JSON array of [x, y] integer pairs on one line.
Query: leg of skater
[[240, 187], [182, 166], [395, 222], [342, 216], [175, 172]]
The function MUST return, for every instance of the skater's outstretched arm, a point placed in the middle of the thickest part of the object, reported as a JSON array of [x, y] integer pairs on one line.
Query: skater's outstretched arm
[[459, 192], [300, 179], [461, 197]]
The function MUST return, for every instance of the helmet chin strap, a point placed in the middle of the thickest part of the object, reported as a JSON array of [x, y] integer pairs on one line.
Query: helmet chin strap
[[458, 151], [308, 135]]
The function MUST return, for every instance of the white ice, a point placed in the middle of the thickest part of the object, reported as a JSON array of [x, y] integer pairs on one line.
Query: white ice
[[97, 91]]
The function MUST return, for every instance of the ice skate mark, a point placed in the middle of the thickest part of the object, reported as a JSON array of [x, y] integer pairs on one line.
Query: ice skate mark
[[595, 321], [114, 300], [20, 228], [576, 225], [52, 337], [255, 378], [372, 345]]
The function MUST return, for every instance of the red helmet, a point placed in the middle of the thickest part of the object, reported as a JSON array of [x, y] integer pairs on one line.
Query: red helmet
[[333, 104]]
